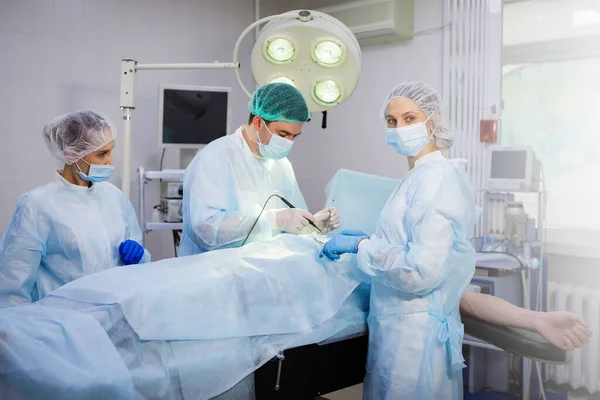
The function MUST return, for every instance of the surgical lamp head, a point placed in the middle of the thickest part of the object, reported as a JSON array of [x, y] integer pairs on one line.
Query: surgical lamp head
[[312, 51]]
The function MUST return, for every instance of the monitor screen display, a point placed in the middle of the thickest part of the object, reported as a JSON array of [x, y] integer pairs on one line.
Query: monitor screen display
[[193, 117], [509, 164]]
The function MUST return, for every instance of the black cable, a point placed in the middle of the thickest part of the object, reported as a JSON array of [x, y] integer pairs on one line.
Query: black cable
[[162, 157], [287, 203], [324, 120], [257, 218], [506, 253]]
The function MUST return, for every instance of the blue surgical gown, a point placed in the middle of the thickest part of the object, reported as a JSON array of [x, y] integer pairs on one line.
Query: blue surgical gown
[[60, 232], [419, 262], [224, 189]]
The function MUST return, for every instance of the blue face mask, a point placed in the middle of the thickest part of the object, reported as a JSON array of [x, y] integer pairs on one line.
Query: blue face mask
[[277, 148], [408, 140], [97, 173]]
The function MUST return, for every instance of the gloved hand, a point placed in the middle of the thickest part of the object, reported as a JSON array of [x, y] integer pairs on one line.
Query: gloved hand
[[131, 252], [340, 244], [327, 220], [564, 330], [291, 220], [354, 232]]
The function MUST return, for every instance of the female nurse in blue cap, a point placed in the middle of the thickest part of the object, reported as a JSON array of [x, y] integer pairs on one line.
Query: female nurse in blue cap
[[74, 226]]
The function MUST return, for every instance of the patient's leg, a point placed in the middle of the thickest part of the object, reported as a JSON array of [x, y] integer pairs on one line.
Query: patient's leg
[[564, 330]]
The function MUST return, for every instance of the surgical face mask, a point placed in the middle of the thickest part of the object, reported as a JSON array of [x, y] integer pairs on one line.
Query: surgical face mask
[[277, 148], [97, 173], [408, 140]]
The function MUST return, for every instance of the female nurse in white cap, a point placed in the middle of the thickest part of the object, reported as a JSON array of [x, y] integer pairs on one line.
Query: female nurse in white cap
[[74, 226]]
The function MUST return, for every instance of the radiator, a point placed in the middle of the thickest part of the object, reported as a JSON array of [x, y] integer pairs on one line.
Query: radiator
[[584, 370]]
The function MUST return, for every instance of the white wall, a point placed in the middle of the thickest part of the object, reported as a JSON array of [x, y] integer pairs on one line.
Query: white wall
[[58, 56], [355, 138]]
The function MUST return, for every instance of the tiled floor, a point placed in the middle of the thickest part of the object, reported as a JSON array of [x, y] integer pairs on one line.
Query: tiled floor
[[351, 393]]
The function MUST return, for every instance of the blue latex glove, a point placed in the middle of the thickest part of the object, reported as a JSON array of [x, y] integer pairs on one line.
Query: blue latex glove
[[340, 244], [131, 252], [353, 232]]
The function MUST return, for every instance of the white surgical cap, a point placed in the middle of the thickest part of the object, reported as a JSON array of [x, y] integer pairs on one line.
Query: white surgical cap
[[429, 102], [72, 136]]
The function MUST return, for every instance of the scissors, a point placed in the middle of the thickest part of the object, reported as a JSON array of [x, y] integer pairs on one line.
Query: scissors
[[318, 241]]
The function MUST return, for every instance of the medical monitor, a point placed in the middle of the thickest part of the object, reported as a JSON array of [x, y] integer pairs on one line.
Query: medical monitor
[[192, 116], [512, 169]]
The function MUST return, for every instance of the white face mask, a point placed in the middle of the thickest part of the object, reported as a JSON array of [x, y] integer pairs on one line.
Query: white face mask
[[277, 148], [97, 173], [409, 140]]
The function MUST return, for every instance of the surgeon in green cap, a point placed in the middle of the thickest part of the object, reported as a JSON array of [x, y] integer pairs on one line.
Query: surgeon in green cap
[[231, 180]]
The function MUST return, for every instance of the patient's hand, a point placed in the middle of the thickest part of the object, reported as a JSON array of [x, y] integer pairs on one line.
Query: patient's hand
[[564, 330]]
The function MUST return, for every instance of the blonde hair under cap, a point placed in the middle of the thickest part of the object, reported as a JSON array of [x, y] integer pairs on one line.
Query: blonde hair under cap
[[72, 136], [429, 101]]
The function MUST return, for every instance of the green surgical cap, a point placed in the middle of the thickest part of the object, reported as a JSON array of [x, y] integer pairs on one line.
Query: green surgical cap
[[279, 102]]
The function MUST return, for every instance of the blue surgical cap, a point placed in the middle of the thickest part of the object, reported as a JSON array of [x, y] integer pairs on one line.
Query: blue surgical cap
[[279, 102]]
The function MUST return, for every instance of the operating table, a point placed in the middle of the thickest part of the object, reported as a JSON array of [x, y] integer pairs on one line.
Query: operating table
[[310, 371]]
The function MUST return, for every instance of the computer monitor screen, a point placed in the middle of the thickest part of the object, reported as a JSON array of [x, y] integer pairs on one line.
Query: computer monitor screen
[[192, 116], [509, 164]]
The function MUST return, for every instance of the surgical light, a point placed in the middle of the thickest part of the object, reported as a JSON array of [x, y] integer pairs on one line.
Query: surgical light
[[279, 50], [328, 53], [327, 92], [283, 79], [326, 62]]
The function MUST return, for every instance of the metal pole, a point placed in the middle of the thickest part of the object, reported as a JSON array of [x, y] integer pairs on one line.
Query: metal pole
[[215, 65], [126, 182]]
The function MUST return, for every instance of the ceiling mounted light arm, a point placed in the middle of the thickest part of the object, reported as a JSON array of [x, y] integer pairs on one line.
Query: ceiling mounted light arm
[[236, 49]]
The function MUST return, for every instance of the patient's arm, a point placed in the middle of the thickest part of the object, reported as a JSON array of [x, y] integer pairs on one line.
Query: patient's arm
[[564, 330]]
